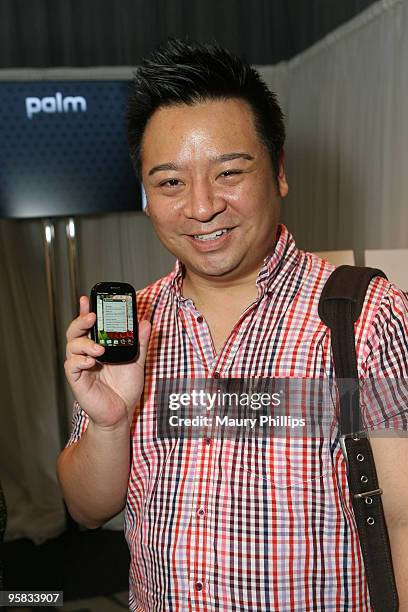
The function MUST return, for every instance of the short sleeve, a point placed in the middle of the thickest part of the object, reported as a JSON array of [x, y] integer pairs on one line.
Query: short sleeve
[[80, 421], [384, 388]]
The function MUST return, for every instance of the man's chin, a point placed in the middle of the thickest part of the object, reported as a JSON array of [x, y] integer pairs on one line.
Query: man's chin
[[211, 269]]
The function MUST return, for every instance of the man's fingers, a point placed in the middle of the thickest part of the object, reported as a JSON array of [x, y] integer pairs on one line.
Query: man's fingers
[[83, 305], [83, 322], [80, 326], [144, 335], [84, 346], [75, 366]]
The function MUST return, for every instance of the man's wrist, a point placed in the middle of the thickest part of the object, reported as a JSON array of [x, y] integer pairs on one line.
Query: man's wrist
[[120, 428]]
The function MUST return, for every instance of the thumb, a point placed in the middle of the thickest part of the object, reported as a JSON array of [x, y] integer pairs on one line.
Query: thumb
[[144, 335]]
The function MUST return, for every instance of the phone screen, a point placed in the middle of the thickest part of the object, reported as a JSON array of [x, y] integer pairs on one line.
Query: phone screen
[[115, 319]]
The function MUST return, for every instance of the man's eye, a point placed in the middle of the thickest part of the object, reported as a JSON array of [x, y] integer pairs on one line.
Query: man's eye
[[227, 173], [170, 183]]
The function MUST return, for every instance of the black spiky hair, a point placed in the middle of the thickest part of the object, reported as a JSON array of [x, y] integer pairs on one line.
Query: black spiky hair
[[182, 72]]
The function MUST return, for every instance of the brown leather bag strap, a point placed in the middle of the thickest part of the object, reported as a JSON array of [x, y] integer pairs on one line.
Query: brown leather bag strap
[[340, 306]]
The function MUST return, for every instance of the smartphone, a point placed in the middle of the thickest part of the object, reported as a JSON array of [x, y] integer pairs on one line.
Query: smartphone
[[116, 321]]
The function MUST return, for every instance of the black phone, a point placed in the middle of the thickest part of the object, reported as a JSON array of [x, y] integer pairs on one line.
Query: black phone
[[116, 321]]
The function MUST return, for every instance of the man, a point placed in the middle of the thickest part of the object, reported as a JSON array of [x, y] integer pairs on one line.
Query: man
[[219, 523]]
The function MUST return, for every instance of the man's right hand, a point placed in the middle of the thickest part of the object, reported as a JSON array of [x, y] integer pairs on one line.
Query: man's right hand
[[108, 392]]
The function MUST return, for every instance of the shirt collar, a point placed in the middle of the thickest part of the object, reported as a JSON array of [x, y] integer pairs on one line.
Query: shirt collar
[[284, 255]]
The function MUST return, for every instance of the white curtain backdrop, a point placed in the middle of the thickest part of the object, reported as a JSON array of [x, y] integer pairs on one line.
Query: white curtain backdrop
[[111, 247], [346, 101], [346, 106]]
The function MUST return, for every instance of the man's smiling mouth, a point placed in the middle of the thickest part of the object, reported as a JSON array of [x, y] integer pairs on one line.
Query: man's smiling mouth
[[211, 236]]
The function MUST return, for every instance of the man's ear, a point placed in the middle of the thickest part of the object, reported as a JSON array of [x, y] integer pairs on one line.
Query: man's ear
[[283, 186], [145, 203]]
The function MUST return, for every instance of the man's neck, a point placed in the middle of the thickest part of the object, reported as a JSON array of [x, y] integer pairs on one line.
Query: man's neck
[[205, 291]]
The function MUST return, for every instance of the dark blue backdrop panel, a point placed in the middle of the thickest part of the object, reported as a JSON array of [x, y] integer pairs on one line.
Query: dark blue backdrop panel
[[63, 149]]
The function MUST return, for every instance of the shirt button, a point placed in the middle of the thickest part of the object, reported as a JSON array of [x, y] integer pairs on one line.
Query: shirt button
[[200, 319], [216, 374], [201, 511], [199, 586], [208, 441]]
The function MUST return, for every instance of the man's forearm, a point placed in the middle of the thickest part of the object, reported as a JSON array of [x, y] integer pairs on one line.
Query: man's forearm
[[94, 474]]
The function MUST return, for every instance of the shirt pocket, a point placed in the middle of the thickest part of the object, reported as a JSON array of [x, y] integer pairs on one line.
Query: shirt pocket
[[289, 462]]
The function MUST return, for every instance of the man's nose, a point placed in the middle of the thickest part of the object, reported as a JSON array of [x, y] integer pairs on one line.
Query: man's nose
[[203, 202]]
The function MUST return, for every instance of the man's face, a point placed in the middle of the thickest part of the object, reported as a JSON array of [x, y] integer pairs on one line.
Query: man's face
[[204, 170]]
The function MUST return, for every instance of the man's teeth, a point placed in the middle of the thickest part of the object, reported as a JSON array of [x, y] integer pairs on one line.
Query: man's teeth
[[210, 236]]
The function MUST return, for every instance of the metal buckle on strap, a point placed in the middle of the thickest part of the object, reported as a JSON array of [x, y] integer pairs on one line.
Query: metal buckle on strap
[[343, 449], [368, 493], [355, 437]]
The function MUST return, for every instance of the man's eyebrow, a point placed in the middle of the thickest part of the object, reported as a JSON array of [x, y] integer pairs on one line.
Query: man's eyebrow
[[168, 166], [219, 159], [230, 156]]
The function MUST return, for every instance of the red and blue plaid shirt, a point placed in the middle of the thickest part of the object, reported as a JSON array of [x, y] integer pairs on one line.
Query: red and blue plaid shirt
[[220, 524]]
